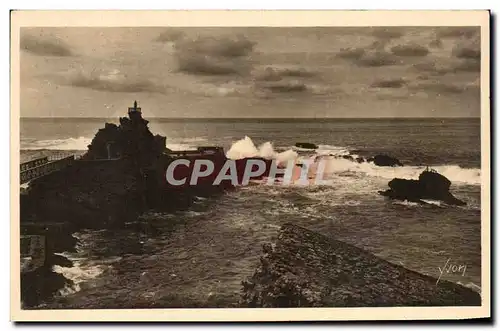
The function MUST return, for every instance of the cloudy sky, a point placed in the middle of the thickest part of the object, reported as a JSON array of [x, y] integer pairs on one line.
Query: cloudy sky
[[251, 72]]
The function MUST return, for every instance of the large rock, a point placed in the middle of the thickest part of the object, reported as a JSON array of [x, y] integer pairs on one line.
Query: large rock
[[107, 186], [306, 269], [121, 176], [88, 194], [40, 285], [383, 160], [132, 139], [430, 185], [306, 145], [40, 245]]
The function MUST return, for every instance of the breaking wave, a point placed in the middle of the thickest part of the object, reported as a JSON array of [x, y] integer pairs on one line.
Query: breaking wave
[[331, 154], [184, 144], [454, 173], [335, 165], [81, 144], [70, 144], [181, 147], [80, 273], [406, 203], [246, 148]]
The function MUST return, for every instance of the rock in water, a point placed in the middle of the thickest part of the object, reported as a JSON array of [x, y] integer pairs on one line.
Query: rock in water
[[307, 269], [306, 145], [383, 160], [430, 185], [131, 139], [122, 175], [433, 181]]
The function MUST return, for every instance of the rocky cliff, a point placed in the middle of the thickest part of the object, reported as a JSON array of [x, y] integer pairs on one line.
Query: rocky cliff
[[132, 140], [430, 185], [306, 269]]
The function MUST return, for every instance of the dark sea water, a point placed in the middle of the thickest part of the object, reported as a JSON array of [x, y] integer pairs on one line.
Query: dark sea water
[[202, 255]]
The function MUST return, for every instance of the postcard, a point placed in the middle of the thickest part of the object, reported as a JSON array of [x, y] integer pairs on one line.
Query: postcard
[[250, 165]]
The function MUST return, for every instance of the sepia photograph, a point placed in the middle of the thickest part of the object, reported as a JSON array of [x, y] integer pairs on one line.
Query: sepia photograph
[[245, 166]]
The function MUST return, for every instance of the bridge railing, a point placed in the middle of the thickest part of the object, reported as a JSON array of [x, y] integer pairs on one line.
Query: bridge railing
[[41, 167], [33, 163]]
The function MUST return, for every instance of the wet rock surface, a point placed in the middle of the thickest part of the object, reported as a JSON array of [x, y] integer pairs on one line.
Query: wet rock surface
[[132, 139], [39, 282], [41, 285], [306, 145], [120, 177], [430, 185], [383, 160], [306, 269]]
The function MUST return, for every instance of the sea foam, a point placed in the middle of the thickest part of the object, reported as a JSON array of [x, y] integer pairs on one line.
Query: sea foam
[[245, 147], [336, 165], [74, 144]]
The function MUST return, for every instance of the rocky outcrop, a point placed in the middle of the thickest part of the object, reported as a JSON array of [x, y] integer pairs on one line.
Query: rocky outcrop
[[383, 160], [352, 158], [430, 185], [306, 269], [88, 194], [132, 139], [41, 243], [380, 160], [107, 186], [40, 285], [306, 145], [122, 175]]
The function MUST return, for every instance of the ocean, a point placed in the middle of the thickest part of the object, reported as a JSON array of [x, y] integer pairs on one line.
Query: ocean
[[199, 257]]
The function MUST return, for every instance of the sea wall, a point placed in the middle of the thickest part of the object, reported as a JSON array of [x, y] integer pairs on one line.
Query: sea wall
[[306, 269]]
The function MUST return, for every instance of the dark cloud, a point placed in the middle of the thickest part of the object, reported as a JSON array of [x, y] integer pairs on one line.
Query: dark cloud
[[275, 74], [214, 56], [283, 87], [436, 43], [387, 32], [296, 72], [295, 80], [461, 65], [378, 45], [43, 46], [423, 77], [170, 35], [430, 68], [223, 46], [287, 87], [351, 53], [424, 84], [377, 59], [210, 65], [468, 65], [439, 87], [457, 32], [389, 83], [109, 81], [467, 51], [358, 52], [410, 50], [269, 75], [373, 55]]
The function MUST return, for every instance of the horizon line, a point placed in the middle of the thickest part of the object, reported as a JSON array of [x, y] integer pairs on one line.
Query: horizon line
[[210, 118]]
